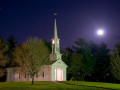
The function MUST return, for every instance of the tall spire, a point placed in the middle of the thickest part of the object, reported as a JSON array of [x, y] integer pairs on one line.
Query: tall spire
[[55, 44], [55, 40], [55, 28]]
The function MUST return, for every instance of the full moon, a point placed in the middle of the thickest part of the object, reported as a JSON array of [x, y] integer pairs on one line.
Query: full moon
[[100, 32]]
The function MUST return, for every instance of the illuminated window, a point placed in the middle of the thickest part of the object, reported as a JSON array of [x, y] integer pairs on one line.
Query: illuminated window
[[53, 41]]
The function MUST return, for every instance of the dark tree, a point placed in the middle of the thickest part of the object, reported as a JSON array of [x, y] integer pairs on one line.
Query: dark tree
[[88, 61], [3, 56], [49, 45], [102, 62], [66, 57], [76, 64], [96, 60], [12, 43]]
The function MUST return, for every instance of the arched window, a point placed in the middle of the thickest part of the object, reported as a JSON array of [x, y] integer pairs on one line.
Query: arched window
[[43, 74]]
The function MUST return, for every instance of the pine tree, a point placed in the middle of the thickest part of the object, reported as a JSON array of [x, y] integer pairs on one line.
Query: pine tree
[[3, 56], [12, 44]]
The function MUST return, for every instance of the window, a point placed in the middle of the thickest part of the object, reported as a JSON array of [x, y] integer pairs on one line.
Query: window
[[25, 75], [43, 74], [19, 75]]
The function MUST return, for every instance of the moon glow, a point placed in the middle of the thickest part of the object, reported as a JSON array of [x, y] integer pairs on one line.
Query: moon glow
[[100, 32]]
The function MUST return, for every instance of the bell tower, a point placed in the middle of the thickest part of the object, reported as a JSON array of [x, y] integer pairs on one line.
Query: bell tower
[[55, 55]]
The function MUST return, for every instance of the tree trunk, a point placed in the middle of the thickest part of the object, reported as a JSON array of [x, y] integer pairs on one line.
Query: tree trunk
[[32, 79]]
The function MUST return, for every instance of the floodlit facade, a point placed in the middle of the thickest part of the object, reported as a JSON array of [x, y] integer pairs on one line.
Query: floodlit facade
[[55, 70]]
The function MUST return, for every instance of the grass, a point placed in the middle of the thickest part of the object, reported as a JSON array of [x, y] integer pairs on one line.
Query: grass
[[42, 86], [95, 84]]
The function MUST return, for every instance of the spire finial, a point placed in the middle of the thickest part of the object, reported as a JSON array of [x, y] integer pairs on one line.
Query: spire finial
[[55, 27], [55, 14]]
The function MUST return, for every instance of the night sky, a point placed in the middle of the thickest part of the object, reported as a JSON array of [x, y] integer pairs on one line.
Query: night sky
[[75, 19]]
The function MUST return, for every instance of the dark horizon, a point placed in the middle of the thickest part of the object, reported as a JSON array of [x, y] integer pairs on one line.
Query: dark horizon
[[75, 19]]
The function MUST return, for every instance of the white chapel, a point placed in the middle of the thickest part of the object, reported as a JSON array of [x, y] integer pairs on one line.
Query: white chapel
[[55, 70]]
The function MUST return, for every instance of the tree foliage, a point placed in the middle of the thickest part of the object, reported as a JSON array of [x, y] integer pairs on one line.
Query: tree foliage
[[66, 57], [32, 55], [102, 62], [88, 61], [3, 56], [73, 60], [12, 43], [115, 62], [76, 65]]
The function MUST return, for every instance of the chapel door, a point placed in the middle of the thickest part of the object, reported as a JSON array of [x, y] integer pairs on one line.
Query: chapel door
[[58, 74]]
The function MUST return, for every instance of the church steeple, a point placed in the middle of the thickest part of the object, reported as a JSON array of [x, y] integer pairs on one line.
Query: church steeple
[[55, 44], [55, 40], [55, 28]]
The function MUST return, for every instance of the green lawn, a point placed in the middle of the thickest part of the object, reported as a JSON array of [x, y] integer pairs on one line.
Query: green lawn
[[95, 84], [41, 86]]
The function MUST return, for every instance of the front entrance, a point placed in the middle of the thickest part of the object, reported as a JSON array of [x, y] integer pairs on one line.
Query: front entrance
[[58, 74]]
